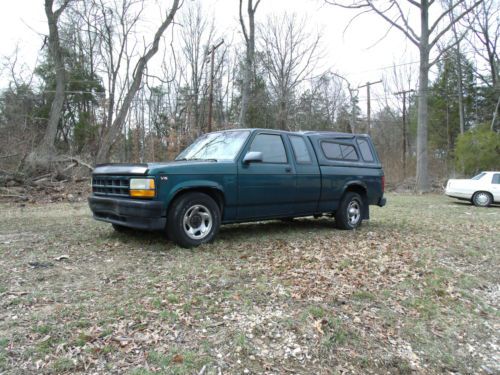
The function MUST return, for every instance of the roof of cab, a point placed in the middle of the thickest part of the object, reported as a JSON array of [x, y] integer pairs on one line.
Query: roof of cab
[[306, 132]]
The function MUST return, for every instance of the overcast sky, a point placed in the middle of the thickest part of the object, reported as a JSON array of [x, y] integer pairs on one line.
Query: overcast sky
[[357, 54]]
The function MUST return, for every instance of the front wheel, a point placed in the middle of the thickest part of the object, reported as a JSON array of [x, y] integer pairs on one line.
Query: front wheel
[[193, 219], [482, 199], [349, 215]]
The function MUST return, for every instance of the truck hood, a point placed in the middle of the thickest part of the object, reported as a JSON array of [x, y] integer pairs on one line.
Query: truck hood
[[149, 168]]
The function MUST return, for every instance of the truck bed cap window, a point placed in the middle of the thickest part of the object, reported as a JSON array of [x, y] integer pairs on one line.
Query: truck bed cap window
[[364, 148], [339, 151]]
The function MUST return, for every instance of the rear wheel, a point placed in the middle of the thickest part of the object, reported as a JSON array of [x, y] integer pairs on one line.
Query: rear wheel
[[482, 199], [349, 215], [193, 219]]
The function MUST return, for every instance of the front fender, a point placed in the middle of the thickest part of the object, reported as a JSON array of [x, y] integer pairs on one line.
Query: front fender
[[193, 185]]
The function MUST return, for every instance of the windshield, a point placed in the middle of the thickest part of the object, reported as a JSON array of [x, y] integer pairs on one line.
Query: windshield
[[215, 146], [478, 176]]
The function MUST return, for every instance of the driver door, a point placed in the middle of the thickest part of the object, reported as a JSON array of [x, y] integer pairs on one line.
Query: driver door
[[266, 188]]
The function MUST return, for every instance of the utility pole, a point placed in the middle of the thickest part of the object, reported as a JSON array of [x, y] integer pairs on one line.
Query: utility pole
[[404, 92], [368, 105], [211, 52]]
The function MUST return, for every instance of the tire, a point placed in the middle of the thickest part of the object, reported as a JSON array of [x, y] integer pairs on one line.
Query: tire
[[349, 215], [193, 219], [482, 199]]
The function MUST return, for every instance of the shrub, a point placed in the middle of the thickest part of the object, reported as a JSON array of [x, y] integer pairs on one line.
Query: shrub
[[478, 150]]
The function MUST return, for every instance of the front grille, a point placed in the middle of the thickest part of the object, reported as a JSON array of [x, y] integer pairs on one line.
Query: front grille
[[117, 186]]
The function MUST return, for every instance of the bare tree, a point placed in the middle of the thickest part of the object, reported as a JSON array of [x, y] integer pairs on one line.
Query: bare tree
[[134, 84], [353, 98], [332, 94], [484, 22], [195, 36], [44, 153], [248, 67], [400, 84], [290, 54], [431, 32]]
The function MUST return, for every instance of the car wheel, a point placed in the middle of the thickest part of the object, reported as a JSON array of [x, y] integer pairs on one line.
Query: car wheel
[[482, 199], [349, 215], [193, 219]]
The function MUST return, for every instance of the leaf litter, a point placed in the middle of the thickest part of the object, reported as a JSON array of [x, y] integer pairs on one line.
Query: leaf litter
[[413, 290]]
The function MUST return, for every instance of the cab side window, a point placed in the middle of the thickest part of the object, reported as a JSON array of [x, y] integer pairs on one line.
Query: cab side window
[[271, 146], [300, 150], [496, 179]]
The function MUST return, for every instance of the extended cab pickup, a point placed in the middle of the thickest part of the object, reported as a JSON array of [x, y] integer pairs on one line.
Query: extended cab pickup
[[242, 175]]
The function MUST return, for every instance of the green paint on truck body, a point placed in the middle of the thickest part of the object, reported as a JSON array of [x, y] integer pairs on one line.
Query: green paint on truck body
[[309, 178]]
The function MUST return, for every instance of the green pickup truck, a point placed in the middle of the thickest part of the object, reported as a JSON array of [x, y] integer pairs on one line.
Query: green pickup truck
[[242, 175]]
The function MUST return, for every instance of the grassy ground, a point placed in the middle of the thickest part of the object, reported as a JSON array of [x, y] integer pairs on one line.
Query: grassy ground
[[415, 289]]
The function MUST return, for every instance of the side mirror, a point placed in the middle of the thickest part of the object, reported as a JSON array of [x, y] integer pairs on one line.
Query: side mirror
[[252, 157]]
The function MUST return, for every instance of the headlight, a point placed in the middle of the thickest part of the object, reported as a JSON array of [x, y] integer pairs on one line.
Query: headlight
[[142, 187]]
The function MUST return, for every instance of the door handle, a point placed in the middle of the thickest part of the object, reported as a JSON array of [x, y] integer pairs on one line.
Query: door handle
[[288, 169]]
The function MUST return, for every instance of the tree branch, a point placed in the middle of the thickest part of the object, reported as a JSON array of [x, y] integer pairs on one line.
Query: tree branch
[[394, 23], [444, 14], [449, 26], [405, 21], [242, 22], [58, 12], [351, 6], [446, 49], [412, 2]]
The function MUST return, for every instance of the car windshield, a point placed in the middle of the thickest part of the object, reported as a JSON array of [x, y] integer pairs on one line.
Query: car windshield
[[479, 176], [215, 146]]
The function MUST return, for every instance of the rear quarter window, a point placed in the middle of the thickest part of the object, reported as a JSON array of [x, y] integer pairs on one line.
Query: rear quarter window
[[300, 150], [339, 151]]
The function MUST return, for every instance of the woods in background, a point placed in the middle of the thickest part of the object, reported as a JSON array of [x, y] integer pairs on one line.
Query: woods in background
[[112, 85]]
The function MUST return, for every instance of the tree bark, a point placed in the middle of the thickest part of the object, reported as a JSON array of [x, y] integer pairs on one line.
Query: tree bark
[[113, 131], [42, 156], [460, 90], [422, 111], [248, 68]]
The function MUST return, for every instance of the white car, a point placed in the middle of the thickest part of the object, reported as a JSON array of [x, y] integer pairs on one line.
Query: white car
[[482, 190]]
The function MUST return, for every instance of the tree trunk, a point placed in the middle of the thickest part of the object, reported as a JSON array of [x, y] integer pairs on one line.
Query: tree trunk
[[42, 156], [248, 69], [422, 116], [460, 90], [245, 93], [113, 131], [461, 109], [282, 115]]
